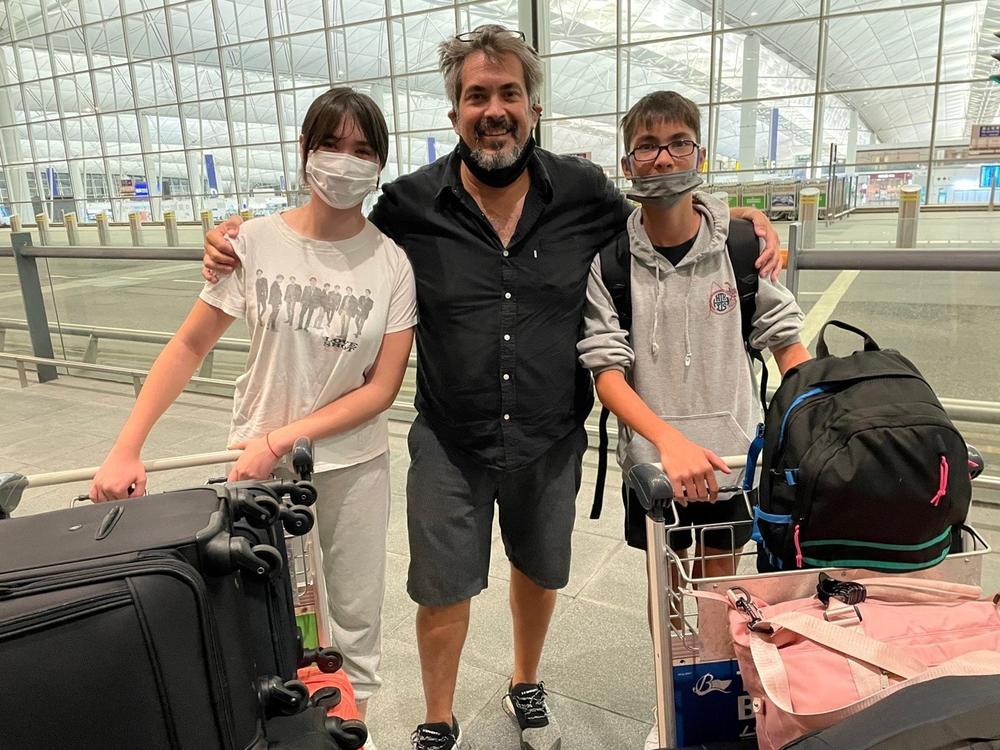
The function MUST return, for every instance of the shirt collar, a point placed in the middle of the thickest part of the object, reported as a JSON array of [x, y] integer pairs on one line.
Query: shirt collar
[[451, 182]]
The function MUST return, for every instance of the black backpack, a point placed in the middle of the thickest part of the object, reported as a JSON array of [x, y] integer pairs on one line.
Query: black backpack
[[862, 468], [616, 273]]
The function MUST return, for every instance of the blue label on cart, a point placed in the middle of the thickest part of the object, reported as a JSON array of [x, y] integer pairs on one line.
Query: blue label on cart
[[711, 703]]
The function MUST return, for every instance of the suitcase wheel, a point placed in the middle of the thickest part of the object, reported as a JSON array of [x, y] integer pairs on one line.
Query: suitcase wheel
[[297, 519], [349, 734], [326, 697], [326, 659], [260, 511], [304, 493], [281, 698]]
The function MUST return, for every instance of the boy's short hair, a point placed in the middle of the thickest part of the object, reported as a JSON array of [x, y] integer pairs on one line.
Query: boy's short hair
[[661, 106]]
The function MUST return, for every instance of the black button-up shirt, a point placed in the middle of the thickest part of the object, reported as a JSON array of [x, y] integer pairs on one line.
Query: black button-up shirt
[[497, 371]]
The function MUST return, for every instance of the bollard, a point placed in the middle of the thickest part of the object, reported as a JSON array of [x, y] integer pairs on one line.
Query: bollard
[[42, 222], [170, 226], [909, 213], [72, 230], [135, 227], [15, 223], [206, 221], [808, 217], [246, 214], [103, 230]]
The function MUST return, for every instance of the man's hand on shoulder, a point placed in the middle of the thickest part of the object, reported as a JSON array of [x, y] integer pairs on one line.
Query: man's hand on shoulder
[[220, 255], [769, 262]]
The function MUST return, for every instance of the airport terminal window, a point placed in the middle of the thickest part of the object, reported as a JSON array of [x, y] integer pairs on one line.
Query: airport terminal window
[[198, 86]]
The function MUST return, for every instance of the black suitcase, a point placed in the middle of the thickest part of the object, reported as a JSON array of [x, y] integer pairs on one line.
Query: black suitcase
[[270, 511], [949, 713], [134, 609]]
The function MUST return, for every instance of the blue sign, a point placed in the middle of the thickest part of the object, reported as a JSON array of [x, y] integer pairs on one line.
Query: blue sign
[[141, 189], [711, 704], [213, 181], [431, 149], [52, 181], [989, 131], [988, 174]]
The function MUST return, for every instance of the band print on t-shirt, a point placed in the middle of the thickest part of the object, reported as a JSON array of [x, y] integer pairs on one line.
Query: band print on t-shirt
[[337, 311]]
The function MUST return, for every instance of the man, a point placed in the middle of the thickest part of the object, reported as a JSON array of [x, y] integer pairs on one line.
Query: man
[[274, 299], [293, 293], [261, 290], [348, 309], [365, 305], [501, 235], [332, 304], [309, 295], [320, 303]]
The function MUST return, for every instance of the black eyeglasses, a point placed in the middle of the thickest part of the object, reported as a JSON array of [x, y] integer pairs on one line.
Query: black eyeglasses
[[471, 36], [680, 149]]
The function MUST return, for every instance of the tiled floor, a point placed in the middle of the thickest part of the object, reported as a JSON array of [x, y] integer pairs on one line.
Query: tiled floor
[[597, 664], [598, 661]]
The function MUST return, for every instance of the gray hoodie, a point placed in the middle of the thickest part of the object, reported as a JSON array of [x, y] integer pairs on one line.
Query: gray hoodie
[[686, 360]]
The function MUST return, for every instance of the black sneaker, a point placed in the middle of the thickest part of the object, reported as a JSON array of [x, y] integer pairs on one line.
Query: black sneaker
[[437, 736], [525, 702]]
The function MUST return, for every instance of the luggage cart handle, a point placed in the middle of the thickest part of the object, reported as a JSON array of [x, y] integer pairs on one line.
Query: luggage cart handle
[[654, 489], [13, 485]]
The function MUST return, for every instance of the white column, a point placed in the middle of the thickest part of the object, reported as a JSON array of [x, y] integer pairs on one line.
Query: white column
[[79, 189], [852, 141], [748, 112], [10, 151]]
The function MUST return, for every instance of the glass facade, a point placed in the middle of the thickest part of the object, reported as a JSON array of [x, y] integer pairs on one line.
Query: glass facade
[[152, 105]]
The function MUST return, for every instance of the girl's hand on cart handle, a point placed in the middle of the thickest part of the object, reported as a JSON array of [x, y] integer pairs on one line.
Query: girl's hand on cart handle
[[121, 476], [690, 469], [257, 461]]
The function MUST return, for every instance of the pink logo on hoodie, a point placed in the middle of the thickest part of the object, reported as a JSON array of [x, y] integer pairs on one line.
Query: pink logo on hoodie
[[722, 299]]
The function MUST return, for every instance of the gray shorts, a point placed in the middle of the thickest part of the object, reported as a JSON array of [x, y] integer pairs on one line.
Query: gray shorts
[[449, 511]]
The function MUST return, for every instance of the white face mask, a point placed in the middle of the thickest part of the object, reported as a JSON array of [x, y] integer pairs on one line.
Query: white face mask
[[341, 180]]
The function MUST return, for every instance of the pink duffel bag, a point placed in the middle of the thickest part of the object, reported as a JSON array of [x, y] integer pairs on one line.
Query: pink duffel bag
[[807, 665]]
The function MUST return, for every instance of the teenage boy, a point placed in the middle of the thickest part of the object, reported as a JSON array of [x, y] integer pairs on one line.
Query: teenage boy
[[680, 380]]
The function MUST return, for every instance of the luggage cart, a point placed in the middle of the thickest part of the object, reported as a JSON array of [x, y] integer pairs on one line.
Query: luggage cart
[[699, 690], [305, 567]]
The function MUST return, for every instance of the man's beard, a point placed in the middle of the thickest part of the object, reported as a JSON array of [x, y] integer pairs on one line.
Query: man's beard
[[490, 159]]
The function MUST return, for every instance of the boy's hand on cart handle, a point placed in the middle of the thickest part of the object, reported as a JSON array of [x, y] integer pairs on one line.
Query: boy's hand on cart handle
[[691, 470], [257, 461], [121, 476]]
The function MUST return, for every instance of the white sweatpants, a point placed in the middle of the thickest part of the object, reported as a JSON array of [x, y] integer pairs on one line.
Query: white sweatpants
[[352, 515]]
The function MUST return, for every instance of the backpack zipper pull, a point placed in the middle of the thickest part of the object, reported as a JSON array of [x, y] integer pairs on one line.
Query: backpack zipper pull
[[942, 482]]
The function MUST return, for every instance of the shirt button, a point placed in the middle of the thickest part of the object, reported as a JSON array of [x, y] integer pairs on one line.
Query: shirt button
[[506, 295], [506, 337], [506, 417], [505, 253], [506, 376]]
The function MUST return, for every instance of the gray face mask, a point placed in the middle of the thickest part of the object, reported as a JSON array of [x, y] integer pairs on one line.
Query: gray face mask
[[664, 190]]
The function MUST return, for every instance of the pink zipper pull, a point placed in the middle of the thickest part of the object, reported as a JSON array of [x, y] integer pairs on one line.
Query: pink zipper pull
[[798, 548], [942, 483]]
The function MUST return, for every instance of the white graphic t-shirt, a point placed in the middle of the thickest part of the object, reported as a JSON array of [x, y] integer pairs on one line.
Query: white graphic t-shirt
[[317, 312]]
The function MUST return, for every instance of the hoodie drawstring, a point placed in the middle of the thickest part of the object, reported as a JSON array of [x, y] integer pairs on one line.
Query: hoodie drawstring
[[687, 319], [653, 346]]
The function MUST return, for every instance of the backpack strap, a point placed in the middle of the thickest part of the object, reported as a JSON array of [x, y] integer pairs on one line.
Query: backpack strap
[[616, 273], [743, 247]]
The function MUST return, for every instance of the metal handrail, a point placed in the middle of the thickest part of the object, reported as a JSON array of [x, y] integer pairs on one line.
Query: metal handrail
[[121, 334], [931, 258], [130, 334], [110, 252]]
